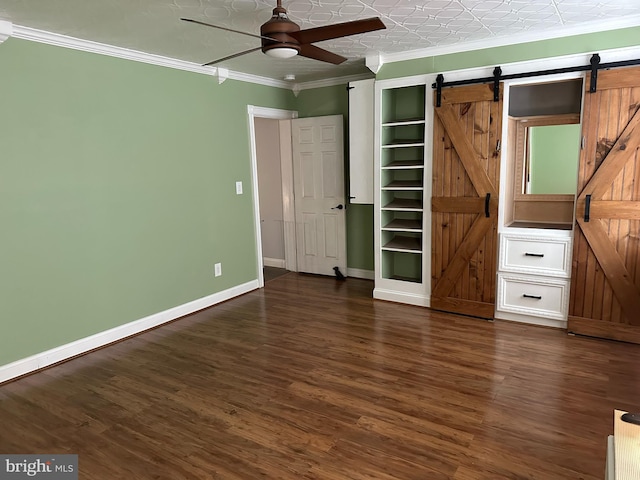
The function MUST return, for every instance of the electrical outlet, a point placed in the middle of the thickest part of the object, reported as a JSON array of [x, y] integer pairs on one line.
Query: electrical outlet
[[238, 188], [218, 269]]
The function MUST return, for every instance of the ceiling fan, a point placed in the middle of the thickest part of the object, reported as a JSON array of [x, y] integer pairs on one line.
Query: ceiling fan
[[282, 38]]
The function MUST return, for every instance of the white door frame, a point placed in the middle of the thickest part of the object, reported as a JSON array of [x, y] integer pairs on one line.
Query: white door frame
[[254, 112]]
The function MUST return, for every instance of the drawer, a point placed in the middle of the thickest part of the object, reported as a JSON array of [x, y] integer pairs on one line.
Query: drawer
[[529, 295], [535, 255]]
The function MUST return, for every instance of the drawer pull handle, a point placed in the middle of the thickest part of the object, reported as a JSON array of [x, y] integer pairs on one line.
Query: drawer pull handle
[[527, 254], [537, 297]]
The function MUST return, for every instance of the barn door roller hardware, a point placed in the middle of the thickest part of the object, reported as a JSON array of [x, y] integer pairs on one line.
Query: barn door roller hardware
[[439, 82], [497, 73], [593, 67]]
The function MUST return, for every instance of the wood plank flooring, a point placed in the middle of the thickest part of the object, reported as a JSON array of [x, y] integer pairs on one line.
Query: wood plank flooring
[[309, 378]]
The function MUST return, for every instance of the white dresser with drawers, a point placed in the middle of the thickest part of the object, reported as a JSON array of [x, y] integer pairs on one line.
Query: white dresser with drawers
[[534, 271]]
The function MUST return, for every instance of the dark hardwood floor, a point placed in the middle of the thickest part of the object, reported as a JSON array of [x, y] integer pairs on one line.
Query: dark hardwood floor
[[311, 378]]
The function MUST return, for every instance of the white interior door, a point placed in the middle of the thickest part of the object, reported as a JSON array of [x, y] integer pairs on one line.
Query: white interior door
[[318, 173]]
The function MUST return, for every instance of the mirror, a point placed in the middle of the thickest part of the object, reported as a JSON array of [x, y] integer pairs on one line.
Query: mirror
[[547, 149], [551, 159]]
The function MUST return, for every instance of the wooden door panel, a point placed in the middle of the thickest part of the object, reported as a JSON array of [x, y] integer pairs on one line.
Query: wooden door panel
[[472, 160], [467, 129], [605, 290]]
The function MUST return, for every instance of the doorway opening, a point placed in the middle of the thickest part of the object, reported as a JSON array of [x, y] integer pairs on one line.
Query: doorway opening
[[278, 228]]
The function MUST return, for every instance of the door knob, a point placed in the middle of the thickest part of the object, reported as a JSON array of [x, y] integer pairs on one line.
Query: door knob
[[339, 207]]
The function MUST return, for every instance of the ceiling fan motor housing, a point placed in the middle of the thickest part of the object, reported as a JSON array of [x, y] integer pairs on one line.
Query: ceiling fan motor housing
[[279, 27]]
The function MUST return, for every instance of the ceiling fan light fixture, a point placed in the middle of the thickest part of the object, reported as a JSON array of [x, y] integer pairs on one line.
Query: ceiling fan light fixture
[[281, 52], [282, 38]]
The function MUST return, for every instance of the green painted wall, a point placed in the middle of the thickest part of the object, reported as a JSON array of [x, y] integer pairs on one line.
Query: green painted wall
[[117, 191], [335, 101], [555, 47], [554, 151]]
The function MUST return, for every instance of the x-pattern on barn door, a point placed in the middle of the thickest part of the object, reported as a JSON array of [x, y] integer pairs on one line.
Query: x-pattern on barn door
[[466, 172], [605, 281]]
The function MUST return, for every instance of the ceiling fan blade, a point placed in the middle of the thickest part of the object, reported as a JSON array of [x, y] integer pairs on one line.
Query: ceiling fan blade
[[337, 30], [227, 29], [317, 53], [231, 56]]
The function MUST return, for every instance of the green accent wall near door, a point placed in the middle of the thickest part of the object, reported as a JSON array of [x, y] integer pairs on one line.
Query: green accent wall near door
[[117, 191]]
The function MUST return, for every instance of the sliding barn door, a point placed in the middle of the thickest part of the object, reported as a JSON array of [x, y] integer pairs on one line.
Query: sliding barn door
[[605, 282], [466, 172]]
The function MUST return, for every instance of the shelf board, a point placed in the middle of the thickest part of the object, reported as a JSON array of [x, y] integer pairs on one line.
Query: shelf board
[[404, 185], [407, 121], [403, 164], [401, 243], [405, 204], [404, 225], [405, 142]]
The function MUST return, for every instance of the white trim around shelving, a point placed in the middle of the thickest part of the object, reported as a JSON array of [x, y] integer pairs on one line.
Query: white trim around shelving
[[402, 297], [68, 351]]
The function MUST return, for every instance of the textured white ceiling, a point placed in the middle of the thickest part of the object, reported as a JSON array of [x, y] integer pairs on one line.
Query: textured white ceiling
[[154, 26]]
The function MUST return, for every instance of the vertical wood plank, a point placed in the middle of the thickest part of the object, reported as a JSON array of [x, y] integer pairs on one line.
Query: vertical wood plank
[[454, 233], [437, 191]]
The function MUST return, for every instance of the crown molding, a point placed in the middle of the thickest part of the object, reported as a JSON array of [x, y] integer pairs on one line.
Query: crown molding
[[6, 30], [40, 36], [269, 82], [374, 62], [64, 41], [332, 82], [590, 27]]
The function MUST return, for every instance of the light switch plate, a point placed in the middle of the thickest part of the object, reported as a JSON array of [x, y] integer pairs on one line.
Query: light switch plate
[[238, 188]]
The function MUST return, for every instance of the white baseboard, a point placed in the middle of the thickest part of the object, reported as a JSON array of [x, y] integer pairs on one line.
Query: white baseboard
[[545, 322], [359, 273], [70, 350], [402, 297], [273, 262]]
